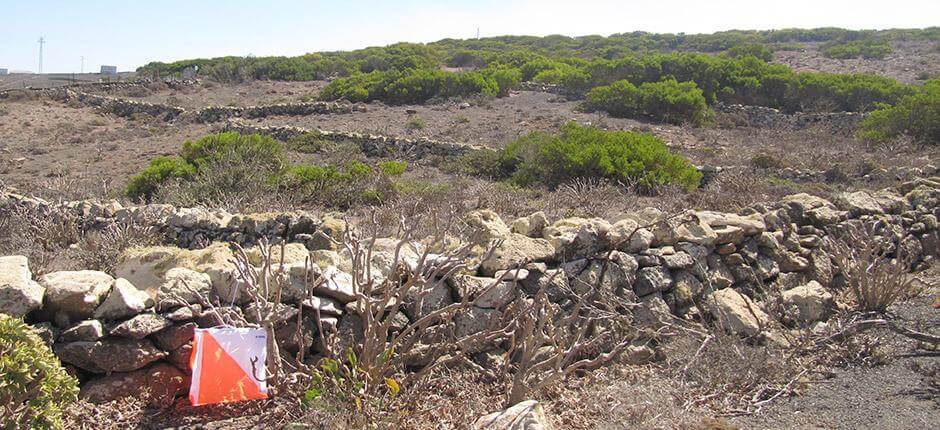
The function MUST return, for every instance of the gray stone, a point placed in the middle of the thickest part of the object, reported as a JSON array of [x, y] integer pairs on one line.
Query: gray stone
[[77, 293], [162, 382], [109, 354], [679, 260], [527, 415], [19, 294], [811, 301], [141, 326], [174, 337], [90, 330], [123, 300], [650, 280]]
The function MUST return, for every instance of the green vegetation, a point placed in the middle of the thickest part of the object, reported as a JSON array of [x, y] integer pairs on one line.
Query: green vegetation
[[34, 388], [231, 167], [412, 73], [667, 101], [587, 152], [866, 48], [916, 115]]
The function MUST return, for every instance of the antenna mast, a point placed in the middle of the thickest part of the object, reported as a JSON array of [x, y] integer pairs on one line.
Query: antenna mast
[[42, 41]]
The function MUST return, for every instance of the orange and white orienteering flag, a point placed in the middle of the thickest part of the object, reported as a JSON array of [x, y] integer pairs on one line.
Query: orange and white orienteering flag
[[222, 365]]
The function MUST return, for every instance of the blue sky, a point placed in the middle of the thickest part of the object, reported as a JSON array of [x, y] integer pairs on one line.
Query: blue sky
[[130, 33]]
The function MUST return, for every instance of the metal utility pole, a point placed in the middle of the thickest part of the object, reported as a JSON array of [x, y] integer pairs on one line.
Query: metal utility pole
[[478, 33], [41, 42], [83, 64]]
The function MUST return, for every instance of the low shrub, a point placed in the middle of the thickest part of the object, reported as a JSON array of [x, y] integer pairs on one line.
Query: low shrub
[[667, 101], [845, 92], [866, 48], [917, 116], [34, 388], [592, 153], [393, 168], [754, 49], [143, 185], [344, 186], [310, 142], [410, 86]]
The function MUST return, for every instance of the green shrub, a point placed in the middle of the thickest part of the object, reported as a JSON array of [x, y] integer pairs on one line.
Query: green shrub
[[845, 92], [485, 163], [587, 152], [144, 184], [310, 142], [341, 186], [506, 78], [755, 50], [393, 168], [868, 48], [668, 101], [917, 116], [414, 124], [266, 152], [34, 388]]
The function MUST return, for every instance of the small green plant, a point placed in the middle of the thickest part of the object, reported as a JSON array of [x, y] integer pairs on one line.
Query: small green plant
[[393, 168], [310, 142], [767, 161], [34, 388], [865, 48], [346, 382], [143, 185], [414, 124]]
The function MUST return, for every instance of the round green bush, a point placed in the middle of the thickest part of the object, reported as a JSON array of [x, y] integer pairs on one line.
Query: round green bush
[[34, 388]]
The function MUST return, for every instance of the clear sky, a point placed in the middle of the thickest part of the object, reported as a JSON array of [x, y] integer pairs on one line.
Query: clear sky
[[129, 33]]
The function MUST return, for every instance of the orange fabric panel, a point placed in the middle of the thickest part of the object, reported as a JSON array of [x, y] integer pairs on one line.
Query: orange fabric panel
[[220, 378]]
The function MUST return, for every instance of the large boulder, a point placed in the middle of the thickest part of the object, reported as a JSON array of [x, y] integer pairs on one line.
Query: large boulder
[[515, 249], [183, 284], [19, 294], [527, 415], [578, 237], [811, 301], [162, 383], [109, 354], [737, 313], [146, 268], [531, 225], [76, 293], [123, 300], [859, 203]]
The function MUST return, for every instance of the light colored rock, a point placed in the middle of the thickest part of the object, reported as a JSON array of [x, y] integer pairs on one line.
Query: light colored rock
[[679, 260], [640, 241], [325, 305], [89, 330], [578, 237], [477, 289], [163, 383], [527, 415], [531, 225], [475, 320], [750, 225], [123, 300], [141, 326], [737, 313], [685, 228], [19, 294], [187, 284], [652, 312], [514, 250], [718, 274], [293, 253], [109, 354], [488, 225], [812, 302], [146, 268], [422, 302], [858, 203], [76, 293], [338, 285]]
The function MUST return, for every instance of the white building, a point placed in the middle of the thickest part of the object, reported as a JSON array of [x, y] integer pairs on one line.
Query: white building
[[108, 70], [3, 72]]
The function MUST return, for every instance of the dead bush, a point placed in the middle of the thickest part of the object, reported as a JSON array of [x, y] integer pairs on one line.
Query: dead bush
[[875, 267], [100, 250]]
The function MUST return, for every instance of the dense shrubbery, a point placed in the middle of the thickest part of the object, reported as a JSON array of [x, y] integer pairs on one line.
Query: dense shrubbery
[[232, 168], [667, 101], [411, 73], [34, 387], [867, 48], [916, 115], [586, 152], [411, 86]]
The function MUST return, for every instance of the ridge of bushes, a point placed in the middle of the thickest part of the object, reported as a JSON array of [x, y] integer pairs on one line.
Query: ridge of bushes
[[916, 116]]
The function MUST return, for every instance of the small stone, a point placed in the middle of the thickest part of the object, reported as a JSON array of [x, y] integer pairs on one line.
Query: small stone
[[141, 326]]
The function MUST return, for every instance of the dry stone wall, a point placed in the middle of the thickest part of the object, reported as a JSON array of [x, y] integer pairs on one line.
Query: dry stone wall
[[765, 117], [118, 331]]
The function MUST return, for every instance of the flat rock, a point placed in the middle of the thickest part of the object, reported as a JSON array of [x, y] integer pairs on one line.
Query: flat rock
[[109, 354], [141, 326], [89, 330], [162, 381], [123, 300], [527, 415]]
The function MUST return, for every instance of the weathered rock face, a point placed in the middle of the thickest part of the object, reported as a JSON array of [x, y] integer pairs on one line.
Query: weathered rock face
[[737, 313], [19, 294], [124, 300], [531, 225], [514, 250], [90, 330], [76, 293], [811, 301], [109, 355], [527, 415], [162, 382], [141, 326]]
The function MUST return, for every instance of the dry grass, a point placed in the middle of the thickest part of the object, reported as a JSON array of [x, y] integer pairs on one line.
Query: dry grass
[[875, 267]]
